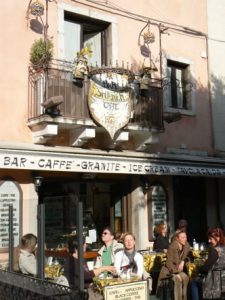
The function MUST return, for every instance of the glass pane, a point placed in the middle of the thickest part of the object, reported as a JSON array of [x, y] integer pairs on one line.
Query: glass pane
[[72, 34], [159, 205], [95, 40]]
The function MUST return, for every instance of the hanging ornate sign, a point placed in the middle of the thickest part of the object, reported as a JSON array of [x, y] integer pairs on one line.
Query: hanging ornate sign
[[109, 100]]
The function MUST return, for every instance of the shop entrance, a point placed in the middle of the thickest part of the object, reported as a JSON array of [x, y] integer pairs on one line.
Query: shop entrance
[[190, 204], [104, 204]]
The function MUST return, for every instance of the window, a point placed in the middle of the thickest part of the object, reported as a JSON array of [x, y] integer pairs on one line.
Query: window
[[178, 85], [80, 30]]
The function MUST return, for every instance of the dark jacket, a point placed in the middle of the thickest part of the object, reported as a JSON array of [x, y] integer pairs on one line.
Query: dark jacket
[[161, 243], [212, 284], [72, 272]]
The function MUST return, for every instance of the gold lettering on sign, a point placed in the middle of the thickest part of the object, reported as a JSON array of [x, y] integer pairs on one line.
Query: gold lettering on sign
[[108, 108]]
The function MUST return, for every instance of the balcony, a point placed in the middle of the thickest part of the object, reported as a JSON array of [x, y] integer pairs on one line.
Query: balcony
[[71, 119]]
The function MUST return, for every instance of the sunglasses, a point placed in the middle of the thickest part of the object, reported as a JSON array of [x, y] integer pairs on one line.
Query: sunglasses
[[105, 233]]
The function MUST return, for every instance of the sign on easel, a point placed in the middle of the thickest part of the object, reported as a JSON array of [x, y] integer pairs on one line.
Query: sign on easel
[[127, 291]]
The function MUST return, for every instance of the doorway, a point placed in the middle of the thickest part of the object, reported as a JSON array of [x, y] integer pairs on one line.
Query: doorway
[[190, 204]]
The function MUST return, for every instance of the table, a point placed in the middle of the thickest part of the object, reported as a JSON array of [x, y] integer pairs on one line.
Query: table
[[153, 261]]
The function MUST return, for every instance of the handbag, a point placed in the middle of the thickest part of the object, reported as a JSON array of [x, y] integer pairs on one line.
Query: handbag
[[211, 285]]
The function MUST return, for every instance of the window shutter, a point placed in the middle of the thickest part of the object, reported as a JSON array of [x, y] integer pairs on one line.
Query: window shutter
[[72, 38]]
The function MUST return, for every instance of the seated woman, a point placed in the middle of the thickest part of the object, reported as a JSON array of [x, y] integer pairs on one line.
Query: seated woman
[[216, 260], [161, 242], [128, 260], [174, 266], [27, 258], [71, 265]]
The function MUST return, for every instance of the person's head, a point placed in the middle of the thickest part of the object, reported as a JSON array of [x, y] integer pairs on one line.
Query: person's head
[[107, 236], [181, 237], [73, 244], [161, 229], [129, 241], [28, 242], [182, 225], [216, 237]]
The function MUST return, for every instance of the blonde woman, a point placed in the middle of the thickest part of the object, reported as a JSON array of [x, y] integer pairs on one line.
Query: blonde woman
[[27, 259], [128, 259], [174, 267]]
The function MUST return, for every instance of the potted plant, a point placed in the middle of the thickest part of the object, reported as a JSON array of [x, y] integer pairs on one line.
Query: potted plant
[[81, 67], [41, 53]]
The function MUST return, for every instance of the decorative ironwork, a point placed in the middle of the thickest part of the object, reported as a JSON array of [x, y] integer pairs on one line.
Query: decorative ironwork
[[179, 84], [37, 9], [148, 38], [15, 286], [146, 113]]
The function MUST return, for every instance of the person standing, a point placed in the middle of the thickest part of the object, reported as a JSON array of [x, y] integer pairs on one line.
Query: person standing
[[174, 267], [128, 260], [107, 252]]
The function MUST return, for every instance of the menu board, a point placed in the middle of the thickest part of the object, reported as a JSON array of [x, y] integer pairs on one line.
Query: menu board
[[159, 205], [127, 291], [10, 193]]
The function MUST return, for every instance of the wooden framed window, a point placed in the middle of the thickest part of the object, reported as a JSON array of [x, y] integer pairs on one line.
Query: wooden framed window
[[179, 85], [80, 30]]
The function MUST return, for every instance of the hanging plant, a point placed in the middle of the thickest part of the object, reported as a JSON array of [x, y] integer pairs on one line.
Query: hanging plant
[[41, 53]]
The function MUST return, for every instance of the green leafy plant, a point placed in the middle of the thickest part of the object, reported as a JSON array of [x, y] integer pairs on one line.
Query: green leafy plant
[[41, 52]]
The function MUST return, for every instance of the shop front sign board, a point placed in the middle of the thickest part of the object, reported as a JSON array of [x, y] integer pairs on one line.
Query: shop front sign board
[[46, 161]]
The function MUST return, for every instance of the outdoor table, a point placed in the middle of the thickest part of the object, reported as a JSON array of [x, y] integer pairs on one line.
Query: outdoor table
[[153, 261]]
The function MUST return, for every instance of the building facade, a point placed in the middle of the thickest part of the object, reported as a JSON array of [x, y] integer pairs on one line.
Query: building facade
[[127, 130]]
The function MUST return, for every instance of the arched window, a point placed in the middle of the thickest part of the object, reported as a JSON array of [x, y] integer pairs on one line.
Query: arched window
[[157, 207]]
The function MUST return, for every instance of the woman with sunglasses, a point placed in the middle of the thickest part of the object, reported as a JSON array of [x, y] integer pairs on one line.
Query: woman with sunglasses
[[106, 254], [210, 286]]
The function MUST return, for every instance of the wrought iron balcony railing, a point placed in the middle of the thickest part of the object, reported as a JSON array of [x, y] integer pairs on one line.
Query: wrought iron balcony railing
[[147, 105]]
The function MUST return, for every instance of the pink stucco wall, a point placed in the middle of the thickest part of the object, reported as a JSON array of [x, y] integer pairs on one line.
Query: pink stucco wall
[[17, 37]]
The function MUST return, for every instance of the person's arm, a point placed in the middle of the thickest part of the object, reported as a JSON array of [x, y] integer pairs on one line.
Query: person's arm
[[209, 263], [173, 259], [98, 271], [140, 264], [118, 261]]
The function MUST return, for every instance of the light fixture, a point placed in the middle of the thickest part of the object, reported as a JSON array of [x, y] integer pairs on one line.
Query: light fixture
[[145, 182], [38, 182]]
